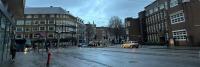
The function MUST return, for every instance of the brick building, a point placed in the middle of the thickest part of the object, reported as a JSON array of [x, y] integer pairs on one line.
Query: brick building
[[173, 19], [143, 30], [132, 27]]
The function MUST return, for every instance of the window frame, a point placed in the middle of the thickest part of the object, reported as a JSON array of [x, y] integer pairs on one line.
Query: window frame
[[42, 30], [177, 17], [50, 27], [178, 35]]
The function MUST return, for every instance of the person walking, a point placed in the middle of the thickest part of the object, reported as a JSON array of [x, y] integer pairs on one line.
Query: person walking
[[13, 50]]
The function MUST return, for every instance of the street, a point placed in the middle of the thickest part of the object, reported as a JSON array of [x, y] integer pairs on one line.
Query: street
[[110, 57]]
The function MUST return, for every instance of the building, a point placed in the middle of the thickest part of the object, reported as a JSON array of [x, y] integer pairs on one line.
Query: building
[[157, 22], [104, 36], [90, 32], [8, 16], [173, 19], [42, 25], [81, 29], [143, 30], [184, 19], [132, 26]]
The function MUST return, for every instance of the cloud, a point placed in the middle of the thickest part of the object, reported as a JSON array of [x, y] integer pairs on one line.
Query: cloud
[[99, 11]]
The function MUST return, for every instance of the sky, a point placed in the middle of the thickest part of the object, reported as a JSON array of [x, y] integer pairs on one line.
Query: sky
[[99, 11]]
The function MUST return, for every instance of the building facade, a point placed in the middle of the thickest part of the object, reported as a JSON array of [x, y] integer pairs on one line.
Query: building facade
[[143, 29], [81, 29], [8, 16], [47, 24], [90, 32], [157, 21], [132, 27], [104, 36], [173, 19]]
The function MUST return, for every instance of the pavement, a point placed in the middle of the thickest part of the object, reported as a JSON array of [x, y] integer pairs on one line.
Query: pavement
[[112, 56], [27, 59]]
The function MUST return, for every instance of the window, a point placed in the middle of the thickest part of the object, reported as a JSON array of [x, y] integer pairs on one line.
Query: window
[[36, 16], [28, 22], [50, 35], [129, 23], [177, 17], [35, 29], [51, 28], [150, 11], [162, 6], [166, 5], [20, 22], [19, 29], [19, 36], [26, 36], [155, 9], [42, 28], [51, 22], [180, 34], [42, 22], [57, 16], [52, 16], [28, 16], [59, 22], [173, 3], [35, 35], [36, 22], [27, 29]]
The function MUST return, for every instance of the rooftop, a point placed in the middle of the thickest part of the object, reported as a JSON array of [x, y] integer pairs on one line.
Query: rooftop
[[45, 10]]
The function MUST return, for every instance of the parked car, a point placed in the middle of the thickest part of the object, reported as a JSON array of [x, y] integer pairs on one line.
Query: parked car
[[130, 44], [82, 45]]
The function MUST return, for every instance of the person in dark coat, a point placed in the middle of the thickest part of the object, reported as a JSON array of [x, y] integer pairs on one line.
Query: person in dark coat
[[13, 50]]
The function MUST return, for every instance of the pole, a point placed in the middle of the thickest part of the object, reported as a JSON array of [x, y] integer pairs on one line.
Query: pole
[[48, 59]]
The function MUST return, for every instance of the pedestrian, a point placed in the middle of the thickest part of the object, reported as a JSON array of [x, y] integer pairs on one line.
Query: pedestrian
[[47, 46], [13, 50], [34, 46]]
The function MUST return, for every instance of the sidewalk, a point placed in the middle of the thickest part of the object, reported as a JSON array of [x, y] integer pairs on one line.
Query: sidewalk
[[161, 47], [174, 47], [29, 59]]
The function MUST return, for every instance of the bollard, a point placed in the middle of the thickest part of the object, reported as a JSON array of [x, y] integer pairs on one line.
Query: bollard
[[48, 59]]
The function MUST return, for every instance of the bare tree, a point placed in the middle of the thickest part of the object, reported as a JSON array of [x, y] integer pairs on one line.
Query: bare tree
[[116, 27]]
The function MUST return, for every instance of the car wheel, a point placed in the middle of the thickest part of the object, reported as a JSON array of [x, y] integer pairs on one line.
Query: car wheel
[[137, 46], [131, 46]]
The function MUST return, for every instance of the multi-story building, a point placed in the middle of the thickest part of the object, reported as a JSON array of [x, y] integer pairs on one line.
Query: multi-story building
[[132, 26], [157, 22], [9, 11], [47, 24], [90, 32], [81, 29], [173, 19], [184, 21], [103, 35], [143, 29]]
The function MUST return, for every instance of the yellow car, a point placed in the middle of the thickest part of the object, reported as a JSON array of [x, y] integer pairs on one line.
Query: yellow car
[[130, 44]]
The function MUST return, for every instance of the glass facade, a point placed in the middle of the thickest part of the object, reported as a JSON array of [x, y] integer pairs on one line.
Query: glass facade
[[5, 37]]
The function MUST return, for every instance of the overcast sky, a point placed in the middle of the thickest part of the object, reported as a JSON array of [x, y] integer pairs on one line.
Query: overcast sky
[[98, 11]]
